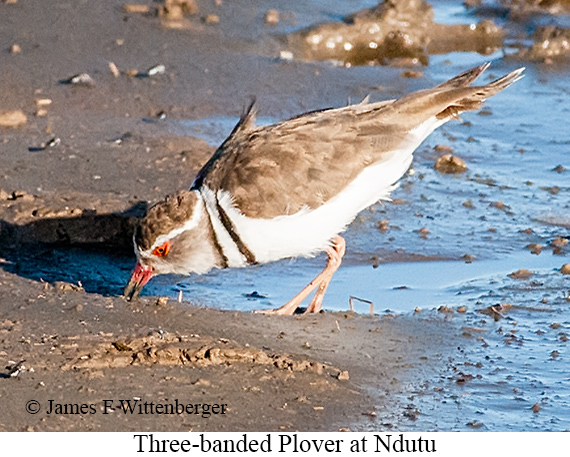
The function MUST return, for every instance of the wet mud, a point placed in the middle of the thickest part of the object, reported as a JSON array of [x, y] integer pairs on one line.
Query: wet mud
[[392, 33]]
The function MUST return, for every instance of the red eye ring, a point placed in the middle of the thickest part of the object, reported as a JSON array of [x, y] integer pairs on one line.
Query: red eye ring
[[162, 250]]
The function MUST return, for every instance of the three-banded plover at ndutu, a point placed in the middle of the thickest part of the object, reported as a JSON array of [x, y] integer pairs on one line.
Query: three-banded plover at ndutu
[[289, 189]]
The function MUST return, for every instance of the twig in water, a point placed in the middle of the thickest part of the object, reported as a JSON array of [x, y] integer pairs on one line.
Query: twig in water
[[350, 301]]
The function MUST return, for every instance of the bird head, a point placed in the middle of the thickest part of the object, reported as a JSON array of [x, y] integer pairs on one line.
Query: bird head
[[170, 239]]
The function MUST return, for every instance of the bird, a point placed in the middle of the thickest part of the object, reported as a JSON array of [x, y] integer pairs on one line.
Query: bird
[[290, 189]]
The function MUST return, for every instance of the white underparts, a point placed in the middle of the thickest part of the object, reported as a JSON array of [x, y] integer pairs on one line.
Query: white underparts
[[309, 231]]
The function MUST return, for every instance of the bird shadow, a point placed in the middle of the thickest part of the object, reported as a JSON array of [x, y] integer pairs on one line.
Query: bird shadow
[[94, 250]]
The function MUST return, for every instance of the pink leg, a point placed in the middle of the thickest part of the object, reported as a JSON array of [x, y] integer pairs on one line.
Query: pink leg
[[321, 282]]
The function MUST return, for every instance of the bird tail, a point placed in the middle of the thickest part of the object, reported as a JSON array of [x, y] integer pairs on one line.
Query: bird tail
[[475, 99], [465, 79]]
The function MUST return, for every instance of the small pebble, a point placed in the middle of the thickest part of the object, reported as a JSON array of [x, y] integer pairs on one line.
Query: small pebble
[[474, 424], [156, 70], [212, 19], [551, 190], [565, 269], [383, 225], [135, 8], [559, 242], [443, 148], [53, 142], [343, 376], [521, 274], [41, 105], [412, 74], [174, 10], [161, 301], [468, 258], [82, 79], [114, 69], [450, 164], [499, 205], [14, 118], [272, 17], [15, 49], [424, 232], [68, 287], [534, 248]]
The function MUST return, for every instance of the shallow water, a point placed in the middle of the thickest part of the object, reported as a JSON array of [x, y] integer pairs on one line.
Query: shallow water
[[517, 362], [511, 149]]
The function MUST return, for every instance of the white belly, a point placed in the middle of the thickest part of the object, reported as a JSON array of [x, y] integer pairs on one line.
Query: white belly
[[309, 231]]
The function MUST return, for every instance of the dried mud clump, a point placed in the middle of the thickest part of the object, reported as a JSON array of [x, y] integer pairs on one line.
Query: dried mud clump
[[172, 350], [450, 164], [175, 10], [396, 32], [518, 8], [549, 44], [558, 245], [521, 274], [172, 13], [497, 311]]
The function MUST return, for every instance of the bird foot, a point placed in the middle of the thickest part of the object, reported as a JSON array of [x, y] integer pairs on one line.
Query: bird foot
[[335, 253]]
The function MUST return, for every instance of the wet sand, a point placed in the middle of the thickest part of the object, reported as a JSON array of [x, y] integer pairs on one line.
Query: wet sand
[[75, 177]]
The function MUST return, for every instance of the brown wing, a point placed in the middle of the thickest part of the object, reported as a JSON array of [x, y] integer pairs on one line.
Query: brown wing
[[305, 161]]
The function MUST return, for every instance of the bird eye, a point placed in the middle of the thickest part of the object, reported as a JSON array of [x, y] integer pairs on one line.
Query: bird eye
[[162, 250]]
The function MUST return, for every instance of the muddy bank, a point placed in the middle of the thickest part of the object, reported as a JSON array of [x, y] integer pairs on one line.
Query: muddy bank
[[304, 373], [396, 33]]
